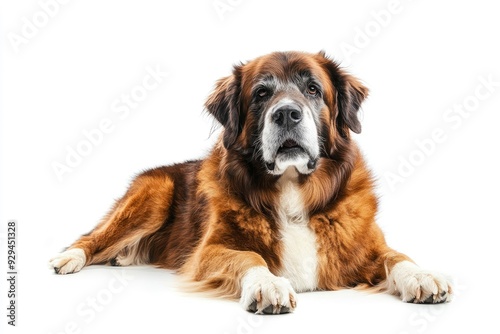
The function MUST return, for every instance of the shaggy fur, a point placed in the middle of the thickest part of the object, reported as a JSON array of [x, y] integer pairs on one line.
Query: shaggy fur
[[215, 219]]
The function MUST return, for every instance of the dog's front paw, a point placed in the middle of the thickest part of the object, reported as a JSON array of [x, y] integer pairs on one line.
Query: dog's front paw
[[69, 261], [416, 285], [262, 292]]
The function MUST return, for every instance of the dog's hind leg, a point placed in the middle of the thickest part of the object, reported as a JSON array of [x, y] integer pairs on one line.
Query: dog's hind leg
[[140, 213]]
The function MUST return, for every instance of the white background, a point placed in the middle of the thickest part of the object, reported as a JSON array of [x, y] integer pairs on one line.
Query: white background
[[425, 58]]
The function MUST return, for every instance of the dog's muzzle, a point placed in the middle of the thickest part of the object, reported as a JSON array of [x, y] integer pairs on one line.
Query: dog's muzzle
[[291, 140]]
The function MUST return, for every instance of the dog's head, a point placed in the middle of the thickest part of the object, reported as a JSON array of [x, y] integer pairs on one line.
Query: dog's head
[[288, 109]]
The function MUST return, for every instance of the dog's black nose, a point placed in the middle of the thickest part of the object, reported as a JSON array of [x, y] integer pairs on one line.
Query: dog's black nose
[[287, 116]]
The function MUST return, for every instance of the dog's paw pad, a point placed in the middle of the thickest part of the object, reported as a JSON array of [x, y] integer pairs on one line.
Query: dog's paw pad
[[268, 310], [114, 262]]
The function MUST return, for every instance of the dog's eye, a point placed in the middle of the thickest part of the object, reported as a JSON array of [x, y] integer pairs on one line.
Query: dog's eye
[[312, 90], [262, 92]]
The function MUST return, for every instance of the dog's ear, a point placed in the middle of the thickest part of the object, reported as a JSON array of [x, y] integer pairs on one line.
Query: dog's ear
[[350, 93], [224, 105]]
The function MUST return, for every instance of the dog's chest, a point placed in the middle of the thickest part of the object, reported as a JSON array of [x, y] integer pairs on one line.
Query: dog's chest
[[299, 249]]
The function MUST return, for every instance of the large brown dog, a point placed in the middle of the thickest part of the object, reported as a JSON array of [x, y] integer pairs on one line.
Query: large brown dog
[[283, 203]]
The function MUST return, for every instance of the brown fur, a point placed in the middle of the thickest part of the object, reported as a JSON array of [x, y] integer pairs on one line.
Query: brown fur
[[215, 218]]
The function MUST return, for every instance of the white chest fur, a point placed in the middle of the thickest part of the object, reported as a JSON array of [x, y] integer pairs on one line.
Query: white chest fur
[[299, 257]]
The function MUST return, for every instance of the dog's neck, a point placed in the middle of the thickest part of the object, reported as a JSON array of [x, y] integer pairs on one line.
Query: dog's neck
[[290, 175], [290, 205]]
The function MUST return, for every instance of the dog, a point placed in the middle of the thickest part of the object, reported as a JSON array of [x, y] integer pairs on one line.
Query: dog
[[284, 202]]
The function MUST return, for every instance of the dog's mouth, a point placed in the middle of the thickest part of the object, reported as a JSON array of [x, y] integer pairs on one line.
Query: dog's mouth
[[291, 152], [290, 146]]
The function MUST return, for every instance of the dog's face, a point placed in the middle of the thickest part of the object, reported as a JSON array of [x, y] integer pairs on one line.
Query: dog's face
[[287, 109]]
